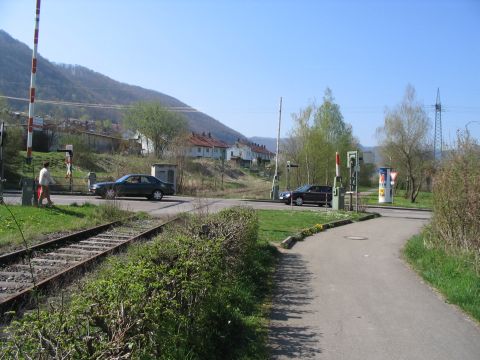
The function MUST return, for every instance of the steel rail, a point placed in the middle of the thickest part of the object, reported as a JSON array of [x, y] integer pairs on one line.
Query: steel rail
[[7, 259], [24, 299]]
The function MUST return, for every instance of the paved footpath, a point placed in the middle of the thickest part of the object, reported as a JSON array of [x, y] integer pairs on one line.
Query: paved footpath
[[345, 299]]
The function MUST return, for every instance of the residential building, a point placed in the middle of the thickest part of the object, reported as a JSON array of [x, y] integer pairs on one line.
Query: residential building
[[205, 146], [247, 154], [260, 154]]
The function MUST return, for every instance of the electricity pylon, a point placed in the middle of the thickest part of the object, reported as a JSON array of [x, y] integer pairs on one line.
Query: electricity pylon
[[437, 141]]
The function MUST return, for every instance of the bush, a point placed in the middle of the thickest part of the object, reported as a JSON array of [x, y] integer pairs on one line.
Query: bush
[[11, 153], [456, 198], [191, 294]]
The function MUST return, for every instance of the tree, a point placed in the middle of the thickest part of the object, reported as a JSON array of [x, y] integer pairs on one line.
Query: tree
[[156, 123], [302, 134], [329, 118], [335, 135], [12, 141], [312, 144], [404, 140]]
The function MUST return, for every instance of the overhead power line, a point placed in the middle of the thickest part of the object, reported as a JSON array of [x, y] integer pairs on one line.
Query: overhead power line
[[464, 109], [98, 106]]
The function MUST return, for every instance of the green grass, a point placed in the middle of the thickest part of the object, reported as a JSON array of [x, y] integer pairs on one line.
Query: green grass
[[106, 166], [453, 275], [56, 159], [57, 170], [423, 201], [276, 225], [362, 188], [35, 223], [186, 299]]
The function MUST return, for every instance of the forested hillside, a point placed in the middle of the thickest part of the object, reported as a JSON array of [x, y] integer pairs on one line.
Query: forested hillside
[[74, 83]]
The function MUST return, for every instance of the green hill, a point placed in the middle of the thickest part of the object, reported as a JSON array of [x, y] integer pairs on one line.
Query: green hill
[[74, 83]]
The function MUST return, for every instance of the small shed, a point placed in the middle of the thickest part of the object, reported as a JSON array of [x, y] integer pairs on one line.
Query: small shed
[[166, 172]]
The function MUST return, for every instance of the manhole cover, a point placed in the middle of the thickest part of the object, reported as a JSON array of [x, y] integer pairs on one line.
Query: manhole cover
[[356, 237]]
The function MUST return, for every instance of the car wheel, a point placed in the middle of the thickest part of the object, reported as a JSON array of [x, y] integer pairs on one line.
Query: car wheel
[[157, 195], [299, 201], [110, 194]]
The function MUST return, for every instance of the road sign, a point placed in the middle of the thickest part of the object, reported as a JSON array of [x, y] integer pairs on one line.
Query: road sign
[[393, 175]]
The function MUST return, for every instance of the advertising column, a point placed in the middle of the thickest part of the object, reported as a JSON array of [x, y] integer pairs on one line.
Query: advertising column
[[384, 186]]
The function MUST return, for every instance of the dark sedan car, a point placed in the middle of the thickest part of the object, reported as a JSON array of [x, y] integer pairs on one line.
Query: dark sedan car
[[134, 185], [315, 194]]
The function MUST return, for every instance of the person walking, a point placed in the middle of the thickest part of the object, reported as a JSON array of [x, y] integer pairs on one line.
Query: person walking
[[44, 180]]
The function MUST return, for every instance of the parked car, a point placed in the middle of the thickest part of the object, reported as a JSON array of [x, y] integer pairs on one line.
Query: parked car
[[315, 194], [134, 185]]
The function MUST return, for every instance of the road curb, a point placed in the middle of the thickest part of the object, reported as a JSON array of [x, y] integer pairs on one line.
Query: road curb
[[397, 208], [367, 206], [290, 241]]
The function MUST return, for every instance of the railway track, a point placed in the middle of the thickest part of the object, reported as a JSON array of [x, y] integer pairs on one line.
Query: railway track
[[53, 262]]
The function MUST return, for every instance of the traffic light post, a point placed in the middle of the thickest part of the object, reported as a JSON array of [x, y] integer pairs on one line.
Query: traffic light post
[[338, 193], [353, 163], [289, 165]]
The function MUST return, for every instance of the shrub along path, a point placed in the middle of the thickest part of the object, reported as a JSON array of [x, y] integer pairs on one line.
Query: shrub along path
[[355, 298]]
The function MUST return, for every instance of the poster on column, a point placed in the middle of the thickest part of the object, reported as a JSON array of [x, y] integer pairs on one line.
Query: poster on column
[[384, 186]]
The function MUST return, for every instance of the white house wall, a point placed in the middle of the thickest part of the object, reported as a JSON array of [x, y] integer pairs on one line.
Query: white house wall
[[147, 144], [239, 151], [205, 152]]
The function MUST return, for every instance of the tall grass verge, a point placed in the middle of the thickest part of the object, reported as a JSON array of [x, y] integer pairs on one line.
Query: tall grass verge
[[448, 253], [453, 274], [456, 201]]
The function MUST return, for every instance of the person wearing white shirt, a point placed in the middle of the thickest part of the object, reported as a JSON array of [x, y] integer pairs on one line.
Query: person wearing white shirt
[[44, 180]]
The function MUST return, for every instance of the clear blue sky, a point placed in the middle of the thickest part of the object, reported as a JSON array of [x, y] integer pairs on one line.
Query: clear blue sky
[[234, 59]]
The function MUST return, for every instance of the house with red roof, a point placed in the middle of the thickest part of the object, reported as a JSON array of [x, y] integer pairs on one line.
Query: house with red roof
[[249, 154], [205, 146]]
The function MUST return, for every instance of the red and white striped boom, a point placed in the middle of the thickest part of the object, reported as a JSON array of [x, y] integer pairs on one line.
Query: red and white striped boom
[[31, 106], [337, 166]]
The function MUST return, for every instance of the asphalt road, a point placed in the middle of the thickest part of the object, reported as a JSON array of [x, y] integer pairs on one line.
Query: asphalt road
[[169, 205], [347, 294]]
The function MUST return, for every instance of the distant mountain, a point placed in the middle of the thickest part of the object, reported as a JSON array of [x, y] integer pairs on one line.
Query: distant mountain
[[74, 83]]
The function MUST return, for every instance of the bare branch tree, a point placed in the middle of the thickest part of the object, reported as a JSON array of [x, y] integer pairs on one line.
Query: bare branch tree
[[404, 140]]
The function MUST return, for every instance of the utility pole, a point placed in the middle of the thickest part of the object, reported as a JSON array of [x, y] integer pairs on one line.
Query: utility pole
[[438, 141], [275, 176]]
